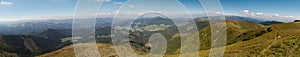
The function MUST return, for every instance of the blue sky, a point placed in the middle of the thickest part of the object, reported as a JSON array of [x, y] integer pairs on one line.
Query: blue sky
[[14, 9], [36, 8], [283, 7]]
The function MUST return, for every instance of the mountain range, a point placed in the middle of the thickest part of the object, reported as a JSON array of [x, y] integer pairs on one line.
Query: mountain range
[[249, 39], [245, 37]]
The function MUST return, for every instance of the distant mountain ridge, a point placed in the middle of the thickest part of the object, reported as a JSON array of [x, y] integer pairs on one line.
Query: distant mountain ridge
[[247, 19], [38, 26], [270, 22], [240, 30]]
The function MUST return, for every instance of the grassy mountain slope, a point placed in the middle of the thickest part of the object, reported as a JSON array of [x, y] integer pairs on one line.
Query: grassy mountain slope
[[244, 39], [278, 40], [20, 45], [106, 50], [6, 54], [235, 28], [26, 45], [3, 49]]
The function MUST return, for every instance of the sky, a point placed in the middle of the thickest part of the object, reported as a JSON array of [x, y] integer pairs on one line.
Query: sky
[[11, 10], [284, 7]]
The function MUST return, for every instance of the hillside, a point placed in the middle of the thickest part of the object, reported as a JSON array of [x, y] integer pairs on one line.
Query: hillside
[[6, 54], [3, 49], [243, 39], [235, 28], [106, 50], [44, 42], [277, 40], [26, 45]]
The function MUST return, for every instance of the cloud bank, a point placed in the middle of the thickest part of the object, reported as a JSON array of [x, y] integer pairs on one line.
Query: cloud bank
[[118, 3], [6, 3], [268, 16], [102, 0]]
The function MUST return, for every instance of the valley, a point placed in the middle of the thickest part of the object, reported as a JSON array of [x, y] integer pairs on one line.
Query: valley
[[244, 38]]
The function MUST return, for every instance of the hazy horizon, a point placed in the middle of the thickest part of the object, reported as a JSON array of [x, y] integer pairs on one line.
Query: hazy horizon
[[15, 10]]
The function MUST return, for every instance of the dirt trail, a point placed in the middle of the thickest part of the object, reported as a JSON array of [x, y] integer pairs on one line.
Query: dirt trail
[[274, 41]]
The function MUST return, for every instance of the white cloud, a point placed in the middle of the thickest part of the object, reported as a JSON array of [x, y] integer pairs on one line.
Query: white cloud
[[267, 15], [5, 20], [59, 0], [102, 0], [131, 6], [6, 3], [218, 13], [276, 15], [36, 18], [118, 3], [246, 12], [259, 13]]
